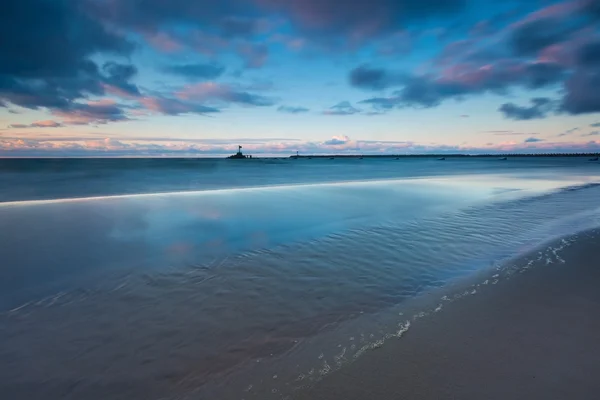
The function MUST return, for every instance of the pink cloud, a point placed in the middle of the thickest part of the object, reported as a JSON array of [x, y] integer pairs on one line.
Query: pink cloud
[[207, 43], [455, 50], [566, 52], [93, 112], [46, 124], [164, 42], [366, 16], [211, 91], [559, 11], [171, 106], [117, 91], [255, 55], [203, 91], [474, 76], [291, 42], [555, 53], [38, 124]]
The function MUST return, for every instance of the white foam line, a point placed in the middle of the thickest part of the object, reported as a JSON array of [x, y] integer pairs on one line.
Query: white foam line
[[429, 179], [207, 191]]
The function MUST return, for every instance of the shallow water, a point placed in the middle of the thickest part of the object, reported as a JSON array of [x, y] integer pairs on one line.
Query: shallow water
[[29, 179], [174, 294]]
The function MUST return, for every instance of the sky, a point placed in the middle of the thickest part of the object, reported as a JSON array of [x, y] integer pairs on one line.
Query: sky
[[198, 77]]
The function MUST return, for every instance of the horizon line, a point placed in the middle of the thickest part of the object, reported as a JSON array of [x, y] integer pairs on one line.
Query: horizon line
[[318, 155]]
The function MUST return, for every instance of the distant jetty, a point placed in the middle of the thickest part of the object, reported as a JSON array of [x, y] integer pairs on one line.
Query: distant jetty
[[239, 155], [594, 156]]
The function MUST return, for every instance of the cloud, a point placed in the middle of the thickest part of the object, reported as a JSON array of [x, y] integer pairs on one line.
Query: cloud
[[539, 109], [195, 71], [327, 22], [595, 125], [554, 46], [343, 108], [457, 82], [233, 26], [338, 144], [202, 98], [156, 14], [531, 37], [92, 112], [172, 106], [589, 54], [48, 60], [208, 26], [77, 113], [337, 141], [533, 140], [568, 132], [581, 95], [382, 104], [365, 77], [117, 78], [399, 43], [163, 41], [593, 133], [51, 59], [292, 110], [210, 91], [68, 54], [38, 124], [254, 55], [507, 133], [358, 20]]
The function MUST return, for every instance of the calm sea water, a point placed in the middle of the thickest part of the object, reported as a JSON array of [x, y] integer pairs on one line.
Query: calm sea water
[[202, 279]]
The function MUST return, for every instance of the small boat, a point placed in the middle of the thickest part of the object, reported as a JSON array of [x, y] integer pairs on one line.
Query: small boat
[[594, 159], [360, 158], [331, 158], [442, 159], [503, 159]]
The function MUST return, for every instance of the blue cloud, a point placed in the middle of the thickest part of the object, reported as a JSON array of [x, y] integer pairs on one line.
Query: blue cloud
[[292, 110], [593, 133], [195, 71], [539, 109], [343, 108], [533, 140], [48, 60]]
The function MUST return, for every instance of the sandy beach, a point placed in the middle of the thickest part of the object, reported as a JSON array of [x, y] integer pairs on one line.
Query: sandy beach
[[531, 336]]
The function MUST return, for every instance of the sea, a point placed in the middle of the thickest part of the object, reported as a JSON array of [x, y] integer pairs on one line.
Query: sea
[[248, 279]]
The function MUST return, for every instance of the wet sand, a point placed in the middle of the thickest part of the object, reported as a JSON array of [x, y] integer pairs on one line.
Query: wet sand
[[532, 336]]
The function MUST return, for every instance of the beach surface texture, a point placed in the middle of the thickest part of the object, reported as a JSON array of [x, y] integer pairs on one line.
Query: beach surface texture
[[529, 332]]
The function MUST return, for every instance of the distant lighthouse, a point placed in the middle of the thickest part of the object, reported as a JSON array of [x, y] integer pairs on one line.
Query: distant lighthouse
[[239, 154]]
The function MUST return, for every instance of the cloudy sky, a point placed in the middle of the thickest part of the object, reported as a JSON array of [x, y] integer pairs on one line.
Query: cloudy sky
[[197, 77]]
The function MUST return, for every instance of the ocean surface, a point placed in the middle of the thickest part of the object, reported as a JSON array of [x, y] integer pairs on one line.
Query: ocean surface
[[204, 279]]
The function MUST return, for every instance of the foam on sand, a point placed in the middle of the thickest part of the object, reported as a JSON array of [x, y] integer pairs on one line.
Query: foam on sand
[[530, 332]]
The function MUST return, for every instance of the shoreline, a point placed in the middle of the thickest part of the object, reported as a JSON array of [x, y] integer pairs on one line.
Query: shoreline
[[391, 328], [532, 337]]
